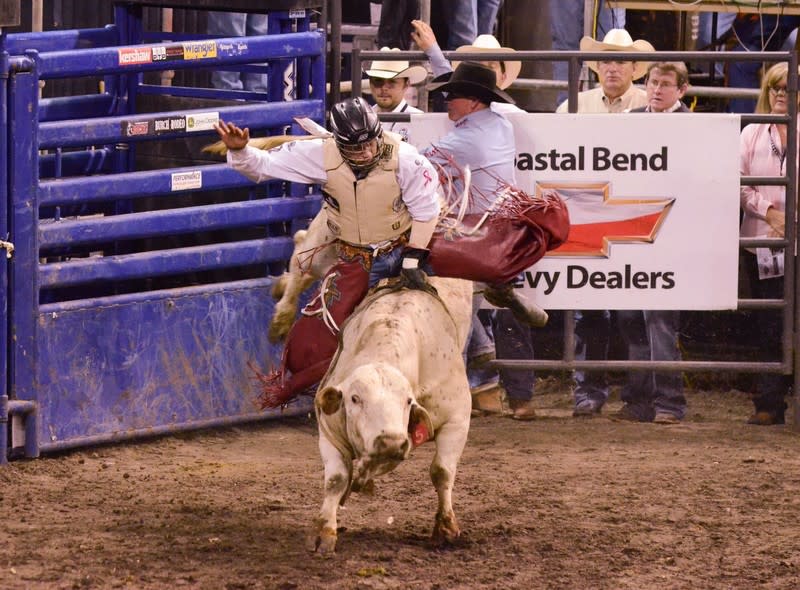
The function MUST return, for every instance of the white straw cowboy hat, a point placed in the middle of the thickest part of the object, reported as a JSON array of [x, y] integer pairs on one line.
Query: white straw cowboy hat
[[618, 40], [396, 69], [486, 43]]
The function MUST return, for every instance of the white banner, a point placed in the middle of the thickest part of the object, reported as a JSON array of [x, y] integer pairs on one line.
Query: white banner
[[653, 202]]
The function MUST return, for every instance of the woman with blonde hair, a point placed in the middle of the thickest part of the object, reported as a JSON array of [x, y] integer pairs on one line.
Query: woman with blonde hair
[[763, 153]]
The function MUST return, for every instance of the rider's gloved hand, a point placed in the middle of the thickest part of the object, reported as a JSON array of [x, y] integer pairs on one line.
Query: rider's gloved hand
[[411, 275]]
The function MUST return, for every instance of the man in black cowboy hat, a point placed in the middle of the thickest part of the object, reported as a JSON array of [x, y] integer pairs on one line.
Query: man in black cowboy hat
[[484, 140]]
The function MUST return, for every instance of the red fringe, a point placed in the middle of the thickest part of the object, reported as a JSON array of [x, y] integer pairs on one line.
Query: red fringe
[[274, 390]]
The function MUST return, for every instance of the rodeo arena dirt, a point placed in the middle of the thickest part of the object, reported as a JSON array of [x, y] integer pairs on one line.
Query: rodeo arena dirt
[[710, 503]]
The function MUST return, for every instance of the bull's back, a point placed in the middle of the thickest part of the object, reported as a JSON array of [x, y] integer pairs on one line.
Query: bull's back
[[407, 328]]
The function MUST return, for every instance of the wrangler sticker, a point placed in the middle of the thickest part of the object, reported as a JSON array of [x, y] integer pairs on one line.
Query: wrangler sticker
[[199, 49]]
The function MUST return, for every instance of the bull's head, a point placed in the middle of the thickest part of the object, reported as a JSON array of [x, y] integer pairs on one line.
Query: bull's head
[[382, 415]]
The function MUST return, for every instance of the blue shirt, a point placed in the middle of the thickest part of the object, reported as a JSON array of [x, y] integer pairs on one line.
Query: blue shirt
[[484, 141]]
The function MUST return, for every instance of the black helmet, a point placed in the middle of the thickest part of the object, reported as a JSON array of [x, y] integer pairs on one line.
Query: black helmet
[[354, 123]]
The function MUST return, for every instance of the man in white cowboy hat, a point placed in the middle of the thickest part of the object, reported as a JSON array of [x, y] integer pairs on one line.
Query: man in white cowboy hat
[[388, 82], [483, 139], [616, 92], [505, 70]]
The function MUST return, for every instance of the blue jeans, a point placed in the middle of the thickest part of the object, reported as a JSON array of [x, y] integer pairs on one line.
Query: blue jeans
[[566, 30], [751, 33], [592, 332], [462, 22], [770, 388], [652, 335], [237, 24], [514, 341], [487, 16]]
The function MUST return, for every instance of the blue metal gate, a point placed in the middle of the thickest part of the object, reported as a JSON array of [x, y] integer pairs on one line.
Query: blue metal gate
[[131, 309]]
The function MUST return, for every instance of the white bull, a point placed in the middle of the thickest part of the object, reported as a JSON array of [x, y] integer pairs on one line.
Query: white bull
[[399, 376]]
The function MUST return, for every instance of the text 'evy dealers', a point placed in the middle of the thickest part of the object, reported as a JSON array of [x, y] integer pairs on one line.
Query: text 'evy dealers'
[[598, 158]]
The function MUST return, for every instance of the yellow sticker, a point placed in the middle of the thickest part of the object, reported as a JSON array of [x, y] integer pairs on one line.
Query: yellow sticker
[[199, 49]]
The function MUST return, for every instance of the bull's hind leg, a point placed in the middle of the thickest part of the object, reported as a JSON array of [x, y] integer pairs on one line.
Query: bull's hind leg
[[450, 441], [322, 537]]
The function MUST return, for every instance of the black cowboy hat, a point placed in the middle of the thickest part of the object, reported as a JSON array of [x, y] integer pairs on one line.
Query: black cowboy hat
[[474, 80]]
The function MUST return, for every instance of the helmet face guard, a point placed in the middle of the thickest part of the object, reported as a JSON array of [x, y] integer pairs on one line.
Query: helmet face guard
[[357, 132]]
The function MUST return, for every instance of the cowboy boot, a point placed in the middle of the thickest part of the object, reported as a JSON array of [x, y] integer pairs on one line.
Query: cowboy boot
[[525, 310]]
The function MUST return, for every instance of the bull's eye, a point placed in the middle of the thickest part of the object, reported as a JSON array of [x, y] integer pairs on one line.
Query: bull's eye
[[355, 399], [409, 401]]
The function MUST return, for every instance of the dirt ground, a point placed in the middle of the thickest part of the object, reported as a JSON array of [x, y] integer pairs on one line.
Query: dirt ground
[[555, 503]]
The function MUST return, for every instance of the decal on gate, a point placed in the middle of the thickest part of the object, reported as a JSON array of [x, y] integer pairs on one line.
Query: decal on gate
[[184, 181], [129, 56], [199, 49], [232, 49], [169, 125], [202, 121], [134, 128], [167, 53]]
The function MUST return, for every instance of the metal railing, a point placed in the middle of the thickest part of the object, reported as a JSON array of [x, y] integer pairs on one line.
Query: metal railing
[[790, 341]]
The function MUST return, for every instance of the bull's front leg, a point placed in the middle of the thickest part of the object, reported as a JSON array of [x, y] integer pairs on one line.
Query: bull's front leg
[[322, 538], [294, 283], [316, 244], [450, 441]]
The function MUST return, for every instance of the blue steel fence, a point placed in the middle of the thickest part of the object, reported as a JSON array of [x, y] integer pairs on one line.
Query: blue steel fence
[[129, 308]]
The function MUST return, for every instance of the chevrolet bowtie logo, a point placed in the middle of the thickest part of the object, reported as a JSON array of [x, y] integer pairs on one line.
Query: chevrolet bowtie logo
[[597, 219]]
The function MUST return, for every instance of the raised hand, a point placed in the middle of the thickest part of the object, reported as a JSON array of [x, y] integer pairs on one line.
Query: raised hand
[[232, 136], [422, 35]]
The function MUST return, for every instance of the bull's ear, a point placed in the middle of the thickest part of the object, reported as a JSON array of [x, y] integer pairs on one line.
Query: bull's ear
[[329, 400], [420, 427]]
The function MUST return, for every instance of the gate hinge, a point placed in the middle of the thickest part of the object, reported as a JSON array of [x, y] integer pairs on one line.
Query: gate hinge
[[8, 247]]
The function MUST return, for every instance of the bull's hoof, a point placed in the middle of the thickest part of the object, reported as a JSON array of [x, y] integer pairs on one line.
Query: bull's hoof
[[279, 327], [366, 488], [322, 542], [445, 530]]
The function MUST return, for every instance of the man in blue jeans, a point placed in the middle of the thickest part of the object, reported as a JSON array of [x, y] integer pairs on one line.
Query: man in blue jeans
[[237, 24], [652, 335], [466, 19]]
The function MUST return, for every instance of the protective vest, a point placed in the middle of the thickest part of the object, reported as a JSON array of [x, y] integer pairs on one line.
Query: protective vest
[[367, 210]]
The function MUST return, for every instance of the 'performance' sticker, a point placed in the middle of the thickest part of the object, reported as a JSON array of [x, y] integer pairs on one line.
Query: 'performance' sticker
[[185, 181]]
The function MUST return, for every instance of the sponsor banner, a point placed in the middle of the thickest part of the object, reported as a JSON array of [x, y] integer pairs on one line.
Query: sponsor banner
[[202, 121], [129, 56], [232, 48], [654, 219], [184, 181], [199, 49], [167, 53]]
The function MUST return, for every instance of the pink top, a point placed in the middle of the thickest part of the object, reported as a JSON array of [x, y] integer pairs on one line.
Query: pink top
[[762, 154]]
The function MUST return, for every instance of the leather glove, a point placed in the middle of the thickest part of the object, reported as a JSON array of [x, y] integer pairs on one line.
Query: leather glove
[[411, 275]]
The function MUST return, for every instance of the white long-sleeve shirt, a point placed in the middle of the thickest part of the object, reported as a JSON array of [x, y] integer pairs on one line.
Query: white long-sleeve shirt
[[301, 161]]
